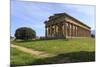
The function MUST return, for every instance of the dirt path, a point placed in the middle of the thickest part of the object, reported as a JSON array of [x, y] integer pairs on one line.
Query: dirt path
[[31, 51]]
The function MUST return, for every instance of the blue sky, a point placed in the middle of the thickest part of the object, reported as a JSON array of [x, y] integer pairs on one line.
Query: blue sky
[[33, 14]]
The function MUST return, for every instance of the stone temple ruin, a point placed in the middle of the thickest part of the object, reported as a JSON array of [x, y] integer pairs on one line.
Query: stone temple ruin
[[63, 25]]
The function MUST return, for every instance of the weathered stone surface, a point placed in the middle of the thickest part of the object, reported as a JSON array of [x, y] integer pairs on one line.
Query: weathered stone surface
[[62, 26]]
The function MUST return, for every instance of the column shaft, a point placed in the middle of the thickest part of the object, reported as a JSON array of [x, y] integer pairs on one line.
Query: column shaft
[[68, 29], [46, 31]]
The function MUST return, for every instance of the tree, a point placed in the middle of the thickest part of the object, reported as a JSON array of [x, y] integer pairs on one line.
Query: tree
[[25, 33], [92, 35]]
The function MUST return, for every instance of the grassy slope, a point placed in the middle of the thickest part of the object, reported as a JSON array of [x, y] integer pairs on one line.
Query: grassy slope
[[66, 51], [21, 58], [61, 46]]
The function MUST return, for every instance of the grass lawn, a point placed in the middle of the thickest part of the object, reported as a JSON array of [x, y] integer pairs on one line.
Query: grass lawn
[[60, 46], [20, 58], [72, 50]]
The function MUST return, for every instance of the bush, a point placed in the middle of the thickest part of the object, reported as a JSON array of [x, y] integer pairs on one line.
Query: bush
[[92, 35], [25, 33]]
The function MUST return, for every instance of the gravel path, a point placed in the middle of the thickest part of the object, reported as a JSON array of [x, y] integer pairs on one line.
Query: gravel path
[[32, 51]]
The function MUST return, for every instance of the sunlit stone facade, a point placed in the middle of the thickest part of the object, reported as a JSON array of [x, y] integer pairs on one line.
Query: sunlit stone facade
[[63, 25]]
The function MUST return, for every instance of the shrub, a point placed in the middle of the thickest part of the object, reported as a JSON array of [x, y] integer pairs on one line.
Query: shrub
[[92, 35], [25, 33]]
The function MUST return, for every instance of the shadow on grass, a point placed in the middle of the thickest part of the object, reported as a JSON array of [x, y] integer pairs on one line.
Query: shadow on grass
[[82, 56]]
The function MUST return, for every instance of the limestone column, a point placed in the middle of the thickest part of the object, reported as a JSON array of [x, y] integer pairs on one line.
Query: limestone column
[[83, 32], [77, 31], [55, 30], [58, 30], [68, 26], [86, 33], [45, 31], [62, 29], [89, 33], [80, 31], [69, 29], [72, 30], [50, 31], [66, 30]]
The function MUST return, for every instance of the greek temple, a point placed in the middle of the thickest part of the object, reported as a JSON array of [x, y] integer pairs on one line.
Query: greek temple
[[62, 25]]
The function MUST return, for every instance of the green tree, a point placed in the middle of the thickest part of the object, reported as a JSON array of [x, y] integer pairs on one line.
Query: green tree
[[25, 33]]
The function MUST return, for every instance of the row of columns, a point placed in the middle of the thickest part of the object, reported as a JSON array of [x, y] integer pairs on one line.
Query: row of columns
[[66, 30], [72, 30], [55, 30], [76, 31]]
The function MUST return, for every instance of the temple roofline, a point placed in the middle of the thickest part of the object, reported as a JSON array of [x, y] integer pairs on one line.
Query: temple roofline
[[65, 14]]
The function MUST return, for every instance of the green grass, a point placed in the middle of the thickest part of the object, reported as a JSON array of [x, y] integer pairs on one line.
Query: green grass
[[66, 51], [60, 46], [21, 58]]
